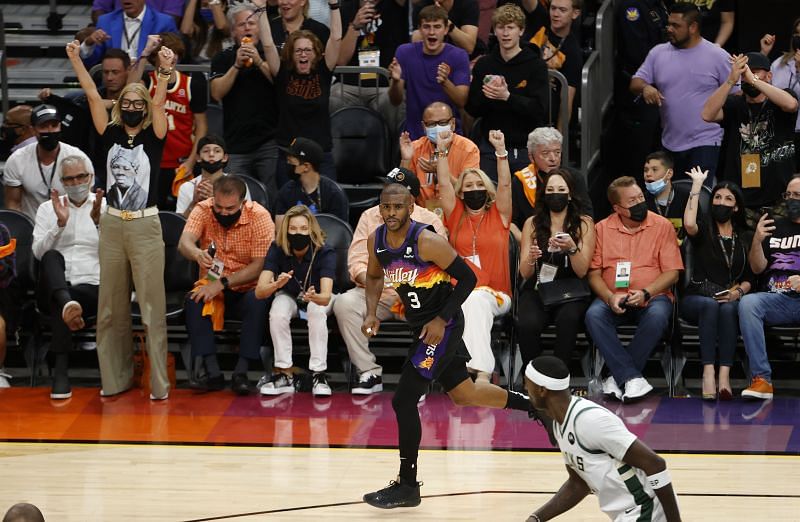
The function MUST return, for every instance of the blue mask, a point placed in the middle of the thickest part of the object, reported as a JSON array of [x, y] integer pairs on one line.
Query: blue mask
[[433, 132], [656, 186]]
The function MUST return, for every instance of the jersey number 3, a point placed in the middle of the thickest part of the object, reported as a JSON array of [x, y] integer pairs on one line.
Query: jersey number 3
[[414, 298]]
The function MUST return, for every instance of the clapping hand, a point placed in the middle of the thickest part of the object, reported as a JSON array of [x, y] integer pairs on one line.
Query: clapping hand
[[442, 73], [497, 89], [97, 205], [406, 146], [60, 208], [395, 70]]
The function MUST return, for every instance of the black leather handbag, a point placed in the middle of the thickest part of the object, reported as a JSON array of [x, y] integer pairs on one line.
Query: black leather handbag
[[562, 291]]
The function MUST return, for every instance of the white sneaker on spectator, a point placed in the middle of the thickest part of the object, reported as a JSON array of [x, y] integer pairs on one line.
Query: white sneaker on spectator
[[4, 377], [368, 383], [278, 384], [320, 388], [635, 389], [610, 389]]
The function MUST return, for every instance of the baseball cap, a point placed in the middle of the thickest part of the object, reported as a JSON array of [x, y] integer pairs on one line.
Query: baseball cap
[[405, 177], [43, 113], [306, 150], [758, 61]]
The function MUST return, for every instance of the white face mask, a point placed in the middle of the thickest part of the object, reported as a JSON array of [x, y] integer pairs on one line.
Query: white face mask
[[433, 132], [78, 193]]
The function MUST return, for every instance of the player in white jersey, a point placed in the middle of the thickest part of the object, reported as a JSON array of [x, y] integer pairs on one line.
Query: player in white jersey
[[602, 457]]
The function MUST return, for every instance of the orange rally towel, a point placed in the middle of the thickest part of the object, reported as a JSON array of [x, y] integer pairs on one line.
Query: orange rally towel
[[7, 250], [214, 308], [182, 175]]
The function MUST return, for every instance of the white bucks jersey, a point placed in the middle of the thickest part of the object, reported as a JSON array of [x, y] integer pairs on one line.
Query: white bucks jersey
[[594, 441]]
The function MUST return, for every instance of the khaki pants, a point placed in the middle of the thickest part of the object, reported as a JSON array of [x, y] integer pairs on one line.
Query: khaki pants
[[350, 309], [131, 250]]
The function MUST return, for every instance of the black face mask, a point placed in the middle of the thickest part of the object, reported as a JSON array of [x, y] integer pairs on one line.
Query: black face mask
[[638, 212], [298, 241], [49, 140], [721, 213], [227, 221], [556, 202], [475, 199], [211, 166], [750, 90], [132, 118], [793, 209]]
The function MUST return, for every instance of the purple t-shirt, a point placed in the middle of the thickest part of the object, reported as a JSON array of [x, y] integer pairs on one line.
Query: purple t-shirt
[[787, 77], [686, 78], [419, 73], [170, 7]]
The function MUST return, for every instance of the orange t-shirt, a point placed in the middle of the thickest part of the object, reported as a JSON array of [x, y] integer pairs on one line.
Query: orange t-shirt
[[651, 250], [463, 154], [491, 244]]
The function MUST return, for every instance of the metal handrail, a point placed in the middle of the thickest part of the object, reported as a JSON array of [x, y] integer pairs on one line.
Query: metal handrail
[[597, 87], [204, 68], [3, 65], [563, 112]]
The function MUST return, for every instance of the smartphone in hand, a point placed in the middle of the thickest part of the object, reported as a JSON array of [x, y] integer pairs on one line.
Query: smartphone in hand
[[722, 294]]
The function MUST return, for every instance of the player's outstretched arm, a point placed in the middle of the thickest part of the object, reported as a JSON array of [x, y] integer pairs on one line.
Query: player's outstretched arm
[[642, 457], [567, 497]]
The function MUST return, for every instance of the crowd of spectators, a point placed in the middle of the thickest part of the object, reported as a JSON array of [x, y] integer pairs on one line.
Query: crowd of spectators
[[93, 170]]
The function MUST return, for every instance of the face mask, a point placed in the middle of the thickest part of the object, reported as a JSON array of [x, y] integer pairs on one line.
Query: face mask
[[721, 213], [132, 118], [793, 209], [475, 199], [433, 132], [556, 202], [638, 212], [49, 140], [77, 193], [227, 221], [750, 90], [211, 166], [298, 241], [654, 187]]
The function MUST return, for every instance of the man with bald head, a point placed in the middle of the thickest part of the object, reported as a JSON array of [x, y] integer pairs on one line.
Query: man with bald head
[[420, 155], [16, 131], [23, 512]]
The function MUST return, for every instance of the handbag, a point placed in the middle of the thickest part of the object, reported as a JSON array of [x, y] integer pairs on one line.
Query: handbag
[[560, 291], [705, 288]]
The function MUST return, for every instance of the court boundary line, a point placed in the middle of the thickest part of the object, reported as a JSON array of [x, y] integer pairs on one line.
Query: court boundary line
[[122, 442], [459, 494]]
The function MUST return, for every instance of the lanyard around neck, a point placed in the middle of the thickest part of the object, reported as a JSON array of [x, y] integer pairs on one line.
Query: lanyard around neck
[[52, 172]]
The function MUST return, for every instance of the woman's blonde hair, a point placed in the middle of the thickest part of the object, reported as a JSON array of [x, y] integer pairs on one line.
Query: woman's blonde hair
[[315, 231], [491, 190], [141, 90]]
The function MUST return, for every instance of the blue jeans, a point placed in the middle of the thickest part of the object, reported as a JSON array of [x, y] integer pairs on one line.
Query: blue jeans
[[260, 164], [651, 324], [241, 306], [718, 326], [757, 310], [706, 157]]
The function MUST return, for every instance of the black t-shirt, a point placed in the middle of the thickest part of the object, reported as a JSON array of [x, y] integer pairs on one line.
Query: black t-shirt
[[329, 198], [711, 15], [385, 34], [641, 26], [303, 100], [463, 12], [782, 250], [324, 265], [762, 129], [710, 263], [250, 113], [279, 33], [133, 167], [672, 210]]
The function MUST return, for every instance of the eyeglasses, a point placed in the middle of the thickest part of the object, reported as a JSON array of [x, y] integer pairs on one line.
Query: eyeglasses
[[303, 51], [433, 124], [136, 104], [77, 177], [791, 195]]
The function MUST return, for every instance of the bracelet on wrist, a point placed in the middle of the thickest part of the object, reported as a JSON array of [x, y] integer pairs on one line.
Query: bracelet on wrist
[[535, 517], [238, 67], [501, 155], [730, 82], [164, 72], [333, 7]]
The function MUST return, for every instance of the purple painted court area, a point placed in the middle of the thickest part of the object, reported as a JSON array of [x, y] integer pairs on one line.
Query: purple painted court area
[[681, 425]]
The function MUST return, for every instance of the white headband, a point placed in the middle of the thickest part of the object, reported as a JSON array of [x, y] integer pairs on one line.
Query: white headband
[[543, 380]]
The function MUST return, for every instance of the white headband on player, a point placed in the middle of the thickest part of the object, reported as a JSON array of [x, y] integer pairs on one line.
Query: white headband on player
[[541, 379]]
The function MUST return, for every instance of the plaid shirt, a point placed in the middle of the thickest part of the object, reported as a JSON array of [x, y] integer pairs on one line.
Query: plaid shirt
[[237, 246]]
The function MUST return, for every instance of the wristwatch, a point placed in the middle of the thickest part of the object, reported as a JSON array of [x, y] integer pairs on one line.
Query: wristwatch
[[224, 281], [646, 295]]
